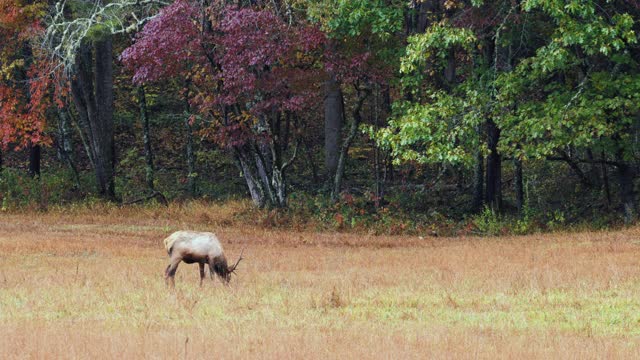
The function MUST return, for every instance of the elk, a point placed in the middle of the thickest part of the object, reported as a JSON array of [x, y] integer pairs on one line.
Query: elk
[[201, 247]]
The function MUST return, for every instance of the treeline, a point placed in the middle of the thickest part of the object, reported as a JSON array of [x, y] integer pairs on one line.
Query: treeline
[[524, 108]]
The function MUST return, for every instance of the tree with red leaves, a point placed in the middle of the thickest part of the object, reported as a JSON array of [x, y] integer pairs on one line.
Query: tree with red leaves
[[24, 79], [252, 78]]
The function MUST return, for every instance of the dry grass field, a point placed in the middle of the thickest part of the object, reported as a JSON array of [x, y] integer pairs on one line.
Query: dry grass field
[[88, 283]]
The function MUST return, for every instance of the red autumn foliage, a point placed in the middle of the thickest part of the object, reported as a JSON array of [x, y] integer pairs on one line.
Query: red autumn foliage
[[248, 63], [25, 76]]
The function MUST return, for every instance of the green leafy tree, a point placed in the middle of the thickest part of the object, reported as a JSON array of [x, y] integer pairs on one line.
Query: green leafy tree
[[544, 78], [448, 74], [579, 89]]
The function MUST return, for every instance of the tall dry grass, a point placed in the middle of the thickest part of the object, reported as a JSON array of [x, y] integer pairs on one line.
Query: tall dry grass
[[79, 284]]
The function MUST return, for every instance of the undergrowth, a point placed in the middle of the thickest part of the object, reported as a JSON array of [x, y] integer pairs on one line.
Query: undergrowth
[[362, 213]]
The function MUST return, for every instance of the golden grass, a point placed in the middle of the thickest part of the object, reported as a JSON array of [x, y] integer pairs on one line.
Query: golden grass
[[82, 283]]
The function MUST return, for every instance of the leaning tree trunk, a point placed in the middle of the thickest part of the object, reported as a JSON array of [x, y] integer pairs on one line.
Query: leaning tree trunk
[[493, 194], [344, 150], [92, 90], [81, 127], [263, 164], [247, 167]]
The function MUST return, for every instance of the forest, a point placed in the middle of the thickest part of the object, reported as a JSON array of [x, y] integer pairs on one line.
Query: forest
[[452, 117], [371, 179]]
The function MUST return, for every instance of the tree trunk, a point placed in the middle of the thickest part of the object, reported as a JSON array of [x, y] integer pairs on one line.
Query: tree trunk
[[34, 149], [253, 184], [34, 160], [278, 170], [311, 162], [82, 132], [266, 181], [418, 20], [478, 182], [279, 186], [593, 172], [627, 193], [518, 185], [605, 179], [263, 168], [380, 155], [344, 150], [333, 122], [450, 69], [103, 136], [146, 138], [379, 186], [191, 159], [65, 146], [92, 90], [493, 194]]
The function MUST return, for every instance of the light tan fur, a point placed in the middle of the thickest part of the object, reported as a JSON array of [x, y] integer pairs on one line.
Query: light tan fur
[[170, 240]]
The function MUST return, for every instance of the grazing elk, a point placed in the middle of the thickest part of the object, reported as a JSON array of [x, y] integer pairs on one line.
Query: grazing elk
[[201, 247]]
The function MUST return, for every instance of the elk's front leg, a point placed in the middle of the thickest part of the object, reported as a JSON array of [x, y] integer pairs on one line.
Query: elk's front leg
[[201, 272]]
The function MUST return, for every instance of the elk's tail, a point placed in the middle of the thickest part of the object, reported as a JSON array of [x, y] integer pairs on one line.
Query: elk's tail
[[169, 241]]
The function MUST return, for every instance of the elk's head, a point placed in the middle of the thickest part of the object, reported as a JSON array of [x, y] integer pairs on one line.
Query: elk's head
[[226, 273]]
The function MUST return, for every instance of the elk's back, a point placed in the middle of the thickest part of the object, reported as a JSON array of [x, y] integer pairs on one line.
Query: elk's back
[[194, 242]]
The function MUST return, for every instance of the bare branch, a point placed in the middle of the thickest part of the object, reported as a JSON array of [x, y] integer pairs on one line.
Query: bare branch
[[293, 157], [63, 37]]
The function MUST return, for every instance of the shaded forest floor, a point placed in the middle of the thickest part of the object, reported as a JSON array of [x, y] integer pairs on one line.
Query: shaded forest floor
[[79, 284]]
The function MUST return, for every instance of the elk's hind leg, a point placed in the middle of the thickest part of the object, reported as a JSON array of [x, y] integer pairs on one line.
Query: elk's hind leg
[[170, 273]]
